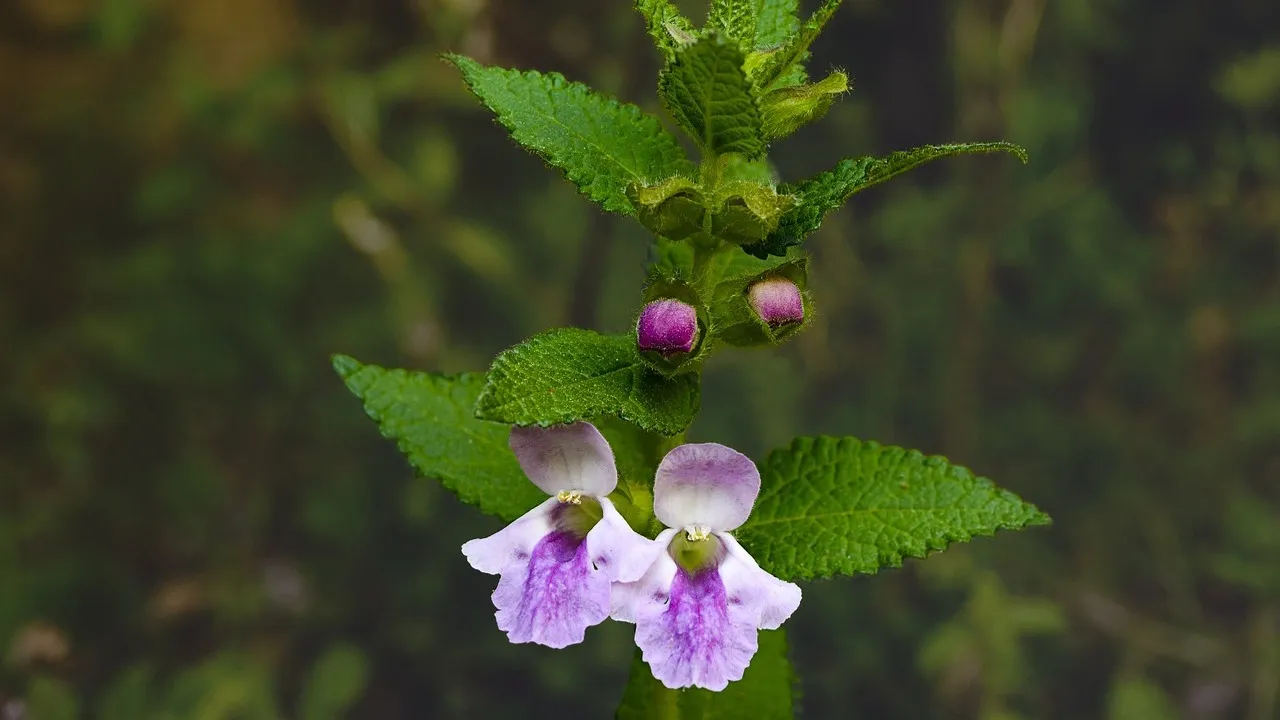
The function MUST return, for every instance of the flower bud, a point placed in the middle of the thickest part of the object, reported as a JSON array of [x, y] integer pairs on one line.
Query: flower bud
[[777, 301], [667, 326]]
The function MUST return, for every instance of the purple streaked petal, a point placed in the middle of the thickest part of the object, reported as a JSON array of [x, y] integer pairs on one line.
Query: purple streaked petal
[[554, 597], [777, 301], [620, 553], [566, 457], [706, 485], [755, 596], [513, 543], [631, 598], [695, 640]]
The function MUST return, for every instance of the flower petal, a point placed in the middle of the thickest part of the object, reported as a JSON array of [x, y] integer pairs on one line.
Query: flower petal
[[755, 596], [707, 485], [695, 640], [652, 587], [554, 597], [513, 543], [622, 554], [566, 457]]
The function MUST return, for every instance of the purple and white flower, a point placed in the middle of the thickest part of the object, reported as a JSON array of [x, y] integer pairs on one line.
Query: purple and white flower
[[557, 561], [777, 301], [702, 599]]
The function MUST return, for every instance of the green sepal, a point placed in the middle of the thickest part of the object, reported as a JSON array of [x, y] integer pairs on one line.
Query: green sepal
[[673, 208], [780, 63], [733, 320], [742, 211], [745, 212], [707, 92], [823, 193], [788, 109], [569, 374], [669, 29]]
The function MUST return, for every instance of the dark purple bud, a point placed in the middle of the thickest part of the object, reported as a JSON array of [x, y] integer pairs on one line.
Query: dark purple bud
[[667, 326], [777, 301]]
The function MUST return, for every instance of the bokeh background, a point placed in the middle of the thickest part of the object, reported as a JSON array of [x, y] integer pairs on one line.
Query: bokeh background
[[200, 200]]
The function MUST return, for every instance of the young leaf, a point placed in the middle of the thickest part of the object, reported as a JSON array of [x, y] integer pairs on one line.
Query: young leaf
[[765, 691], [775, 21], [823, 193], [707, 92], [600, 144], [833, 506], [788, 109], [430, 417], [570, 374], [793, 51], [669, 29], [735, 18]]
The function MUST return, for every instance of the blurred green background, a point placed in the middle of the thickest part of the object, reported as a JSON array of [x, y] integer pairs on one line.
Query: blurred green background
[[200, 200]]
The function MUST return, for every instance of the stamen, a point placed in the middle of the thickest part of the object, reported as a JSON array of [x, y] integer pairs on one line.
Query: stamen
[[697, 533], [573, 497]]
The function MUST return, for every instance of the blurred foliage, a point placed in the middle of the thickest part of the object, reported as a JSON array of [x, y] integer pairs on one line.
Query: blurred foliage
[[200, 201]]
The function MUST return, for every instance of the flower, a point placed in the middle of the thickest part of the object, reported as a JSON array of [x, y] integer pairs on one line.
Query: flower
[[668, 326], [777, 301], [556, 562], [702, 598]]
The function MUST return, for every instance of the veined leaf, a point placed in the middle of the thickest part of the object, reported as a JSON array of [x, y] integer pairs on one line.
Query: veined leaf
[[431, 419], [707, 92], [570, 374], [600, 144], [669, 29], [823, 193], [833, 506], [793, 50], [775, 21], [735, 18]]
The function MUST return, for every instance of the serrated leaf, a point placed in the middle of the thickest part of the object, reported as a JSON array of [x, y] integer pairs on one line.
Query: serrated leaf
[[735, 18], [600, 144], [707, 92], [766, 691], [823, 193], [431, 419], [833, 506], [669, 29], [775, 21], [795, 48], [786, 110], [570, 374]]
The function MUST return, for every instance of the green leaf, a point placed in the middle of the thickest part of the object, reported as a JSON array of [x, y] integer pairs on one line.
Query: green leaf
[[765, 692], [600, 144], [775, 21], [819, 195], [735, 18], [669, 29], [786, 110], [337, 681], [432, 421], [833, 506], [796, 47], [570, 374], [707, 92]]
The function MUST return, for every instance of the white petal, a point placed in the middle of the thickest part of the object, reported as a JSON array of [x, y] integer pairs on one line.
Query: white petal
[[631, 599], [513, 543], [755, 596], [566, 457], [621, 553], [706, 485]]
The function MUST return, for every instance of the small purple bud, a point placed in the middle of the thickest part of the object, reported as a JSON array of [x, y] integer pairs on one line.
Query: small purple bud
[[667, 326], [777, 301]]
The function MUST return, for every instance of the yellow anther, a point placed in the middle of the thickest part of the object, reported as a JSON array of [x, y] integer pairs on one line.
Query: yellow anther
[[570, 496], [697, 534]]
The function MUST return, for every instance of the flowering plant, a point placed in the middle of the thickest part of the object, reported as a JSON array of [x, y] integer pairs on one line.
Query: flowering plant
[[577, 438]]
